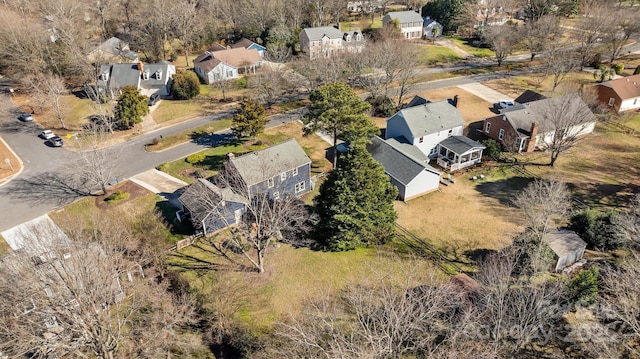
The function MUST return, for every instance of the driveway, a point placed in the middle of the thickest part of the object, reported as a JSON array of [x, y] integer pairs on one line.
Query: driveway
[[160, 183], [488, 94]]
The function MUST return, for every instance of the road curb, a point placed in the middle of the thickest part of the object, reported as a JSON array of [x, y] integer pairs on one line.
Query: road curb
[[9, 178]]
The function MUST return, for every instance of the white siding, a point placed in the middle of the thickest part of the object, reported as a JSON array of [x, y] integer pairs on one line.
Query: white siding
[[430, 141], [425, 182], [222, 72], [630, 104]]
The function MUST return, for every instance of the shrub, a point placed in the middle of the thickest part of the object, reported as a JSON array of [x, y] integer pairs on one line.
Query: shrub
[[163, 167], [600, 231], [196, 158], [185, 85], [583, 288], [637, 70], [618, 68], [493, 148], [200, 173], [117, 196], [381, 106], [242, 83]]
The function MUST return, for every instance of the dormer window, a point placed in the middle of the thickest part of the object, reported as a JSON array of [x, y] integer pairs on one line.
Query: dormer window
[[348, 38], [104, 76], [145, 75], [358, 37], [158, 74]]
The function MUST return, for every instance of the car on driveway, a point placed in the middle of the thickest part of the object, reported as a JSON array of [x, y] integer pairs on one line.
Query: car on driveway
[[47, 134], [55, 141], [504, 104], [26, 117]]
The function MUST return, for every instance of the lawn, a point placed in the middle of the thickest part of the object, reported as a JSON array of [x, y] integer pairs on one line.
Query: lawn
[[4, 247], [514, 86], [7, 169], [434, 54], [473, 50], [364, 23]]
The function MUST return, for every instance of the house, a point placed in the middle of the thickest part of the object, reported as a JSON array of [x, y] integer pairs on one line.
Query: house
[[280, 170], [149, 79], [567, 246], [457, 152], [364, 6], [621, 94], [410, 22], [431, 28], [425, 125], [248, 44], [412, 176], [112, 51], [325, 41], [226, 64], [211, 208], [526, 127]]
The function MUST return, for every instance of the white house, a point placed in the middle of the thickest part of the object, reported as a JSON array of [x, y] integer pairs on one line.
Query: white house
[[147, 78], [425, 125], [411, 23], [411, 175], [325, 41], [621, 94], [226, 64]]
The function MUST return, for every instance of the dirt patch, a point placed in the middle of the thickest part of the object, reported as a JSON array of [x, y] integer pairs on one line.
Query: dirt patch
[[11, 168], [129, 187]]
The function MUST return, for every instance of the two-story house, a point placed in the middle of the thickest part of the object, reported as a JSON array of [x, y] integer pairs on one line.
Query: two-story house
[[533, 125], [147, 78], [325, 41], [425, 125], [410, 22], [280, 170]]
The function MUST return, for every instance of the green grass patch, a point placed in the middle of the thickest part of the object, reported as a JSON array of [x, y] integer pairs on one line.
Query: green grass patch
[[473, 50], [185, 136], [116, 197], [432, 55], [4, 246], [362, 24]]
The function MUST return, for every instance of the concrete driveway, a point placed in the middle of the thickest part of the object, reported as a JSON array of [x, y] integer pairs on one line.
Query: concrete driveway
[[160, 183], [486, 93]]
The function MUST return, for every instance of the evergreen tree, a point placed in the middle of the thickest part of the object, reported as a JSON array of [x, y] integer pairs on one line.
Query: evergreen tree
[[337, 110], [131, 107], [185, 85], [249, 119], [445, 12], [355, 204]]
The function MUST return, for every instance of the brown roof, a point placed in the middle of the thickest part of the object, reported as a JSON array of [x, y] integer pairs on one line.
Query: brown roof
[[244, 42], [238, 57], [216, 47], [626, 87], [206, 61]]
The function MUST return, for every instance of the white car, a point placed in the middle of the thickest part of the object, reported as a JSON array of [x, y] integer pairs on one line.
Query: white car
[[505, 104], [47, 134]]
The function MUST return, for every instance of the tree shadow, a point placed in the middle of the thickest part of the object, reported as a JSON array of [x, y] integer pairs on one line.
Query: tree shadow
[[478, 255], [177, 227], [213, 258], [17, 126], [505, 190], [46, 188], [212, 139], [604, 194]]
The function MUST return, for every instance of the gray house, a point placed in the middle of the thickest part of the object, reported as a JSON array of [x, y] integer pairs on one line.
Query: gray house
[[211, 208], [147, 78], [408, 170], [280, 170], [431, 28], [566, 245]]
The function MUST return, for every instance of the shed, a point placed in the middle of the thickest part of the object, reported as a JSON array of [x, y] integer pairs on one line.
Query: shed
[[567, 246]]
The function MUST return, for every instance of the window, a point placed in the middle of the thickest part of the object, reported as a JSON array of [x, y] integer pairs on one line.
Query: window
[[276, 195], [300, 187], [145, 75], [294, 172], [229, 73], [348, 38], [421, 139], [451, 132], [283, 176], [501, 134], [612, 101], [635, 101], [270, 183], [488, 127], [358, 37]]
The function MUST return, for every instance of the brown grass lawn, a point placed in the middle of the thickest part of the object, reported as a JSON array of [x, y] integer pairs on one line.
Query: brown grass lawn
[[5, 169], [471, 107], [516, 85], [313, 145]]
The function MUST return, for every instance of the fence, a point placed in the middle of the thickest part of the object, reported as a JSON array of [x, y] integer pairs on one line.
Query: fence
[[184, 243]]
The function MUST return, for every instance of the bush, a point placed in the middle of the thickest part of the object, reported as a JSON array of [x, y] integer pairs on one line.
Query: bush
[[117, 196], [493, 149], [163, 167], [185, 85], [601, 231], [196, 158], [381, 106], [618, 68], [242, 83], [200, 173], [583, 288], [637, 70]]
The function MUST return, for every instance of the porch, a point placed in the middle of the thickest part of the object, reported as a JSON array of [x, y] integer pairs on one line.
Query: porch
[[457, 152]]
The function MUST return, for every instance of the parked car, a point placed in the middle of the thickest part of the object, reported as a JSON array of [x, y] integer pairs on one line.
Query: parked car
[[26, 117], [504, 104], [55, 141], [47, 134], [153, 99]]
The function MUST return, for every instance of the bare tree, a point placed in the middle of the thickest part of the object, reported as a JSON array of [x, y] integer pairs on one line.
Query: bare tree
[[56, 88], [269, 86], [502, 40], [589, 31], [622, 25], [558, 61], [539, 35], [186, 23], [542, 203], [96, 167], [82, 296]]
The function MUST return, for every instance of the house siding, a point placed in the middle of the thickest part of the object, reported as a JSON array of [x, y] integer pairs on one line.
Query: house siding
[[288, 186], [569, 259], [606, 93], [499, 123], [424, 183], [222, 217], [630, 104], [430, 141]]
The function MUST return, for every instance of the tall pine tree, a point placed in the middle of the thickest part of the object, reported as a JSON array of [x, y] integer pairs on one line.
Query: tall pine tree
[[355, 204], [249, 119]]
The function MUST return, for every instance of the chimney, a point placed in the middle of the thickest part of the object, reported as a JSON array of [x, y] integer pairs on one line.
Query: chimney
[[455, 101], [532, 138], [230, 156], [339, 26], [140, 66]]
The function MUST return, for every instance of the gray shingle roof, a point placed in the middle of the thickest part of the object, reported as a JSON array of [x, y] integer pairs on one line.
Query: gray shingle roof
[[206, 61], [431, 118], [417, 100], [258, 166], [317, 33], [460, 144], [121, 75], [405, 16], [201, 197], [397, 164], [564, 242], [529, 96], [523, 116]]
